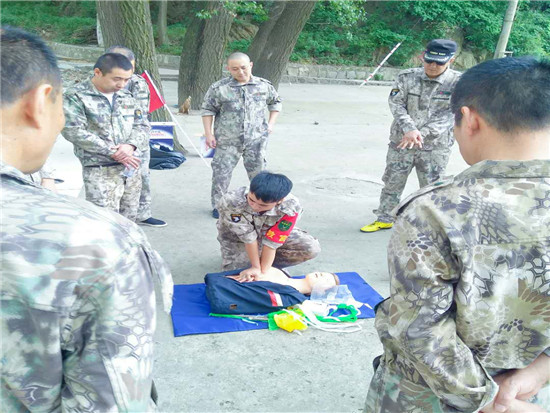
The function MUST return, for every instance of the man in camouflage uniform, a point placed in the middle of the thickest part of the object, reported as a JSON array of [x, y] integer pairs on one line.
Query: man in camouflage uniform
[[238, 103], [420, 134], [109, 131], [469, 260], [256, 228], [77, 301], [139, 89]]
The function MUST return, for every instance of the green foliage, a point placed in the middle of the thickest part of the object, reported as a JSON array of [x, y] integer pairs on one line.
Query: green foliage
[[60, 21], [343, 32]]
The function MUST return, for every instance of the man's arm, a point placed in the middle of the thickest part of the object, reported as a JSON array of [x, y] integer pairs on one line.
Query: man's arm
[[418, 321], [398, 105], [76, 128], [273, 115], [139, 137], [207, 121]]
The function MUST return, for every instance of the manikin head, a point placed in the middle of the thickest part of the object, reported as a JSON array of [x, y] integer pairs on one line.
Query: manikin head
[[323, 280], [268, 190], [124, 51], [502, 110], [31, 100], [438, 56], [240, 67], [111, 72]]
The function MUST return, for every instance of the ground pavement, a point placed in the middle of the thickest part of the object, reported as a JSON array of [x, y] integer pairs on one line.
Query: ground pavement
[[331, 141]]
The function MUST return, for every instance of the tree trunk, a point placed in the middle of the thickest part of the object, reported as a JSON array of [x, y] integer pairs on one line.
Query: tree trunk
[[272, 61], [203, 51], [128, 23], [162, 37], [259, 41], [506, 29], [99, 34]]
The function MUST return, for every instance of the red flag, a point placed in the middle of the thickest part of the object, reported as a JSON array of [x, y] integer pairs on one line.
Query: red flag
[[156, 101]]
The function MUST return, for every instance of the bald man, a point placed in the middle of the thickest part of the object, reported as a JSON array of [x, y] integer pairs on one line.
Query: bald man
[[236, 106]]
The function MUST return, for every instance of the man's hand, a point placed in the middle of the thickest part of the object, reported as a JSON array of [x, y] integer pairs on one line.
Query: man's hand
[[250, 274], [270, 127], [131, 162], [518, 385], [210, 141], [410, 140], [123, 151]]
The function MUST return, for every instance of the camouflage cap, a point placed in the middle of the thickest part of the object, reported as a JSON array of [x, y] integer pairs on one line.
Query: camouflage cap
[[440, 50]]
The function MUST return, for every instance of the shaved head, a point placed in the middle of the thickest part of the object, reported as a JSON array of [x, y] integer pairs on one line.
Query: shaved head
[[238, 56]]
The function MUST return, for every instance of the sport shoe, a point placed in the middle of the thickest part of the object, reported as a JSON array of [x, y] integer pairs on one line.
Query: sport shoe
[[377, 226], [215, 213], [153, 222]]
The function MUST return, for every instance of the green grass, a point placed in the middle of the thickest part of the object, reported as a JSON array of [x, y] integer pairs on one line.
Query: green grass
[[48, 19]]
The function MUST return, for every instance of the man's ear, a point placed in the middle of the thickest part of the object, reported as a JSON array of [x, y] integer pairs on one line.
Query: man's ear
[[471, 119], [251, 64], [36, 105]]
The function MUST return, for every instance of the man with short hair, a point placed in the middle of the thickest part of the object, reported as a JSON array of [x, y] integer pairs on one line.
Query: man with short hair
[[239, 104], [421, 132], [109, 131], [140, 91], [469, 259], [77, 304], [257, 227]]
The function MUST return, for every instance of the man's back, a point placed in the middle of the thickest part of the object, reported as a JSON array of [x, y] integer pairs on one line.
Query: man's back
[[78, 306], [478, 263]]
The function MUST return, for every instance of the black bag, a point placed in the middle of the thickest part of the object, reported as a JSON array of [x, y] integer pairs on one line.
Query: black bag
[[164, 157]]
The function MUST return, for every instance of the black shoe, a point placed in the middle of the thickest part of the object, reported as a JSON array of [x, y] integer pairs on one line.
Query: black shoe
[[153, 222], [215, 213]]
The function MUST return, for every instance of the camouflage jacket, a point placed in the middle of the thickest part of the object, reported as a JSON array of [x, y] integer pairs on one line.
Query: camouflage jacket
[[238, 222], [94, 128], [77, 304], [139, 89], [469, 264], [240, 110], [418, 102]]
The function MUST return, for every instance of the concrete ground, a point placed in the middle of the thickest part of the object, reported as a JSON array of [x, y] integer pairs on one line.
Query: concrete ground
[[331, 141]]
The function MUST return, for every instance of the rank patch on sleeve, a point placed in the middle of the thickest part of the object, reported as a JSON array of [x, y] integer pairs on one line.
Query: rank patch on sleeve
[[236, 217], [394, 92], [281, 230]]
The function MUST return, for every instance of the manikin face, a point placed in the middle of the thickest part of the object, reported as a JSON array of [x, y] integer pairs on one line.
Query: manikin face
[[258, 205], [322, 279], [433, 69], [240, 69], [113, 81]]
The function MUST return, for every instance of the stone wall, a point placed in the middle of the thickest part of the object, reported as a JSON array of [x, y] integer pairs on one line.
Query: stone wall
[[295, 73]]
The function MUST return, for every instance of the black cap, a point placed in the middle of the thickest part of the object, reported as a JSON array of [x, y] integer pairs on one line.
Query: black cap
[[440, 50]]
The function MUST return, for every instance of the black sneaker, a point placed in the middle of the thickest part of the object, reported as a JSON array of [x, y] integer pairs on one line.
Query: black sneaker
[[153, 222], [215, 213]]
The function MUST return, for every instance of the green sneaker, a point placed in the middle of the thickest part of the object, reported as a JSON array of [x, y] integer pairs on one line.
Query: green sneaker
[[376, 226]]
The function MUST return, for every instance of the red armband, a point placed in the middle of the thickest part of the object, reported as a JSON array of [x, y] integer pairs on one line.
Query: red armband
[[281, 230]]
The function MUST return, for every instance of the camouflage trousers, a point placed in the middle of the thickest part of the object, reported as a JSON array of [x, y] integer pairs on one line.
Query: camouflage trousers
[[144, 208], [429, 165], [106, 187], [299, 247], [227, 156]]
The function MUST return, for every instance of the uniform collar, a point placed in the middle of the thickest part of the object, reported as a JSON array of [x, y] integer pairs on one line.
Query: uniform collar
[[538, 168], [9, 170]]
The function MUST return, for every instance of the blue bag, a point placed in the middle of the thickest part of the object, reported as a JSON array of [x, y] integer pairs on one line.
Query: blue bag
[[164, 157], [228, 296]]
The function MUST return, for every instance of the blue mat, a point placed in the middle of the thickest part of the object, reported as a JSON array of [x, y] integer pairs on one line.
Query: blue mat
[[190, 308]]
